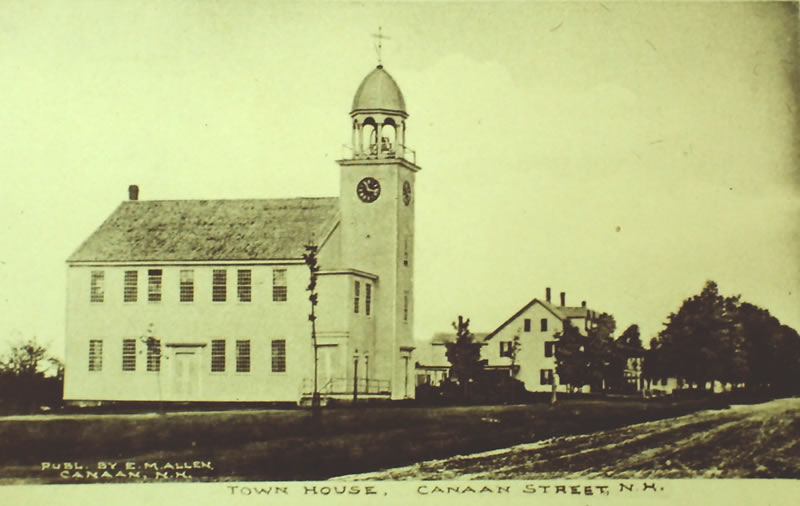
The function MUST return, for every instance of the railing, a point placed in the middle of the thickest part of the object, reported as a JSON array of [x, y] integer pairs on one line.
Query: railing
[[386, 151], [345, 386]]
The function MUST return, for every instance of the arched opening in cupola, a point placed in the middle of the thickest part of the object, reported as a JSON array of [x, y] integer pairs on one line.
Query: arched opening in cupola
[[389, 140], [369, 135]]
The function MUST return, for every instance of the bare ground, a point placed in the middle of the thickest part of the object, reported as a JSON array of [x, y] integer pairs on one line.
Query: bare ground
[[749, 441]]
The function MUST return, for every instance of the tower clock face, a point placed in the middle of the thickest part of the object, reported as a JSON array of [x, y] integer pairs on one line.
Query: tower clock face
[[368, 189], [406, 192]]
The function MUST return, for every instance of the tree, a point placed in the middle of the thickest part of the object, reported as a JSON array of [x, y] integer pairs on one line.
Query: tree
[[25, 359], [599, 350], [464, 355], [626, 347], [701, 343], [310, 259], [571, 360], [23, 383]]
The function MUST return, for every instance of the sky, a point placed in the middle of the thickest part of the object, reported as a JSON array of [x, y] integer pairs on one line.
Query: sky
[[621, 153]]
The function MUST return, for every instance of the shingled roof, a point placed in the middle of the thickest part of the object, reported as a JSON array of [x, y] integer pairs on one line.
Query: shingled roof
[[194, 230]]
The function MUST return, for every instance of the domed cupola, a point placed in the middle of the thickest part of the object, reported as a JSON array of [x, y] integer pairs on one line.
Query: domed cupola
[[379, 92], [379, 118]]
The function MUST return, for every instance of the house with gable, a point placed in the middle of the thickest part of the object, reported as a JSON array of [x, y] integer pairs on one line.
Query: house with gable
[[205, 300], [535, 325]]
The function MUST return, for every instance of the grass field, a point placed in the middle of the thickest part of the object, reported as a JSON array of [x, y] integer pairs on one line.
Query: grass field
[[287, 445]]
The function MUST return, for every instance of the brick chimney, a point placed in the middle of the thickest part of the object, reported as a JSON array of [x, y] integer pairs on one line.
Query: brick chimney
[[563, 299], [583, 303], [133, 192], [547, 294]]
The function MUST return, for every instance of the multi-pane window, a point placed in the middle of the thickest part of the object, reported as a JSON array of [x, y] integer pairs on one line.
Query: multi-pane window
[[97, 292], [96, 355], [218, 355], [244, 285], [546, 377], [367, 299], [405, 306], [154, 285], [279, 355], [129, 354], [153, 355], [279, 291], [527, 324], [505, 348], [187, 285], [130, 291], [543, 324], [356, 296], [549, 348], [243, 356], [219, 285]]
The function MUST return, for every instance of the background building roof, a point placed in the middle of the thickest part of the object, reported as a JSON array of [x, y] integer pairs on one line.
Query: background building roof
[[194, 230]]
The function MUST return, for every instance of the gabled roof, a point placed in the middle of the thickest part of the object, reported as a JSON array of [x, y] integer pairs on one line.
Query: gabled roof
[[560, 312], [196, 230]]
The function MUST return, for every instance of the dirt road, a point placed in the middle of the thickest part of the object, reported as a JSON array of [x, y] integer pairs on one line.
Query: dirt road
[[752, 441]]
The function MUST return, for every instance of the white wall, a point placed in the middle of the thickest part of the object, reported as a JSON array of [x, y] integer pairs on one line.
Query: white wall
[[174, 322]]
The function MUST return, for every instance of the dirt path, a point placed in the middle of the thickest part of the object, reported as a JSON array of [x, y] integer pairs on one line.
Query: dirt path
[[752, 441]]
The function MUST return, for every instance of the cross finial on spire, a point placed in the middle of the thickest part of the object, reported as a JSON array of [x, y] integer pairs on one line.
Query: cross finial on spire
[[380, 38]]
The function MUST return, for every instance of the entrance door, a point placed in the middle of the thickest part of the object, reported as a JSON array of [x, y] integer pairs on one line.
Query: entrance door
[[185, 382], [325, 368]]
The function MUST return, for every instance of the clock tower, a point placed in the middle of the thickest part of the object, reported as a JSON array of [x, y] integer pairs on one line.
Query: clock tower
[[377, 199]]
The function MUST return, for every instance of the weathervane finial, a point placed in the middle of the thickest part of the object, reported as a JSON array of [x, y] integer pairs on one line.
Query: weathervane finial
[[380, 38]]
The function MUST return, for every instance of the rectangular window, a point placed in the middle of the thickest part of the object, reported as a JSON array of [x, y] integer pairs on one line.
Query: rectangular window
[[368, 299], [242, 356], [356, 296], [187, 285], [405, 250], [527, 324], [131, 287], [129, 354], [154, 285], [217, 355], [279, 355], [405, 306], [96, 355], [279, 287], [546, 377], [97, 292], [219, 288], [543, 324], [153, 355], [505, 348], [244, 279], [549, 349]]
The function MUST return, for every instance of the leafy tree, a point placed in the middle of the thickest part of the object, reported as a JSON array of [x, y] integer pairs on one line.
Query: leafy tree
[[24, 358], [22, 375], [626, 347], [701, 342], [464, 355], [599, 349], [571, 360]]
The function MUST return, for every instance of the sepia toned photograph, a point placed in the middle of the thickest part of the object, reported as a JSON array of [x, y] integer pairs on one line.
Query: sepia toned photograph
[[333, 249]]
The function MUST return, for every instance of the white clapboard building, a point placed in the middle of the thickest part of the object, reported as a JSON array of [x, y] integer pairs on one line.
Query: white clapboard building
[[205, 300]]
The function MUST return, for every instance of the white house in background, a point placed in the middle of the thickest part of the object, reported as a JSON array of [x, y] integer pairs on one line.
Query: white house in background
[[219, 286], [536, 324]]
